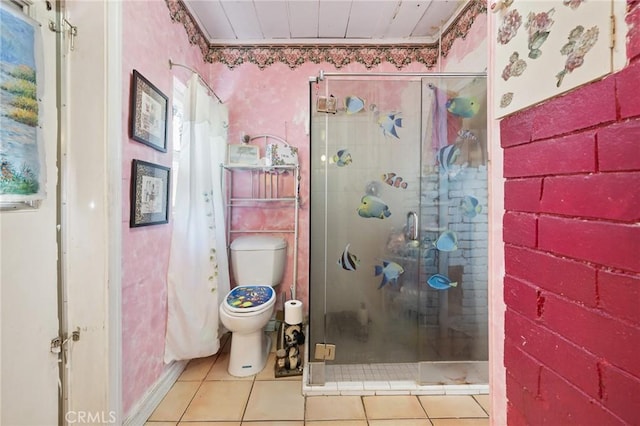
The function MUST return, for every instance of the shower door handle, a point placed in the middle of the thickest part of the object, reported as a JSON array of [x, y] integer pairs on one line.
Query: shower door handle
[[411, 231]]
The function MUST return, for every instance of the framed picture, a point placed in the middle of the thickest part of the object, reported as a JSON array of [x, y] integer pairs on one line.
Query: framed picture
[[150, 185], [148, 113], [243, 154]]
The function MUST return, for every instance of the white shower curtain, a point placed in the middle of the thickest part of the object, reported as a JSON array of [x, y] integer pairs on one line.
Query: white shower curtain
[[198, 275]]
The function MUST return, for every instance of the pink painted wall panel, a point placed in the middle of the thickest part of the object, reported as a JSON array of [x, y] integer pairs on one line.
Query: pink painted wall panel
[[618, 294], [619, 145], [566, 277], [571, 163], [633, 20], [551, 350], [462, 49], [573, 153]]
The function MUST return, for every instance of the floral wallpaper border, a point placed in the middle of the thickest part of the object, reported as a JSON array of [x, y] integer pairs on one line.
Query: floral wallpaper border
[[293, 56]]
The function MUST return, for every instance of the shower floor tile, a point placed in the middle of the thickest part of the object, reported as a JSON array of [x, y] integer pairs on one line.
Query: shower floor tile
[[371, 372]]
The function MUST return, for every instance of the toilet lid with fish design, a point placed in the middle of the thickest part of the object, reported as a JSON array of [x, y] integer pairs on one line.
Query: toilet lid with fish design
[[249, 298]]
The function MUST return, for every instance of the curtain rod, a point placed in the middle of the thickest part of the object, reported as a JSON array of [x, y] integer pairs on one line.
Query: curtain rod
[[322, 74], [173, 64]]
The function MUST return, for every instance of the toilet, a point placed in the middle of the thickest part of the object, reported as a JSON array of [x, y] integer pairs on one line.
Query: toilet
[[258, 263]]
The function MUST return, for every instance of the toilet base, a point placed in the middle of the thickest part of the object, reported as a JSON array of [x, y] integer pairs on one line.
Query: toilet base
[[249, 353]]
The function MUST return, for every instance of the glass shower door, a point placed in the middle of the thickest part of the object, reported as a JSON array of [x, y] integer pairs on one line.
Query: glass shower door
[[398, 253], [365, 199]]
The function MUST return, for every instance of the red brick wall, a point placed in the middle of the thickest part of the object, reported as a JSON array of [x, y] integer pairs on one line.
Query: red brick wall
[[572, 253]]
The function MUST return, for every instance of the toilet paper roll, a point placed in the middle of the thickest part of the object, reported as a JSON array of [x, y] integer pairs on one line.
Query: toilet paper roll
[[293, 312]]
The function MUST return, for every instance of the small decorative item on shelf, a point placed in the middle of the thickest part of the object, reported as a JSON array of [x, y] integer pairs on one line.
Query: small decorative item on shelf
[[243, 155], [281, 154]]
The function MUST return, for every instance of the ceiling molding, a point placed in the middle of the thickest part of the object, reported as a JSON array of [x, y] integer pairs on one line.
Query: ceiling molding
[[337, 54]]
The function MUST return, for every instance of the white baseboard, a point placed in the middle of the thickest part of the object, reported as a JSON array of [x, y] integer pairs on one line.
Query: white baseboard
[[145, 406]]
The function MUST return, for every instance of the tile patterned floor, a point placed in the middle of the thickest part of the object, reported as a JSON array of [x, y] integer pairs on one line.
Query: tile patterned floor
[[205, 394]]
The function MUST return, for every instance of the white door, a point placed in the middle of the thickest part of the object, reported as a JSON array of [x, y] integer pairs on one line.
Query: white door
[[28, 266]]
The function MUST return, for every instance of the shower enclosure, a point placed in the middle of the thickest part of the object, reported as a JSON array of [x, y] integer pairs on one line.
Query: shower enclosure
[[398, 253]]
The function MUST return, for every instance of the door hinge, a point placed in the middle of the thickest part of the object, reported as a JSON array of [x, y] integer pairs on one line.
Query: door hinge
[[325, 351], [612, 34], [73, 31], [59, 342], [56, 345]]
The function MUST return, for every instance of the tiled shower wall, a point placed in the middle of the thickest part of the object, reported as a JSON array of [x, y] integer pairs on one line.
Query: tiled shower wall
[[468, 302]]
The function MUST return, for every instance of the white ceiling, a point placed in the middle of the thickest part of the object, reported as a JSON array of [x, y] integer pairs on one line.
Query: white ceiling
[[322, 21]]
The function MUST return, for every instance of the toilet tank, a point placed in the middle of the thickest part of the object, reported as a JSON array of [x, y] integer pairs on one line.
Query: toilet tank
[[258, 259]]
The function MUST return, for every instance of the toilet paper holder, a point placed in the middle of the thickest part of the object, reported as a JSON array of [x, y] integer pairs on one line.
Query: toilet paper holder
[[289, 342]]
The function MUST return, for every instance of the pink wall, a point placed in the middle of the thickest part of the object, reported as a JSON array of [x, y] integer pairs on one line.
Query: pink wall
[[149, 40], [572, 240]]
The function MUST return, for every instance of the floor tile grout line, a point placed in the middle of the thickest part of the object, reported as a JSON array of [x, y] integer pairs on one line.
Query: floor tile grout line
[[481, 406], [246, 404], [192, 397], [204, 379]]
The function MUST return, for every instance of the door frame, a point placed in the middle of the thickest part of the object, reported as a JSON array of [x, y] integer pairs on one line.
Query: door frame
[[98, 52], [114, 167]]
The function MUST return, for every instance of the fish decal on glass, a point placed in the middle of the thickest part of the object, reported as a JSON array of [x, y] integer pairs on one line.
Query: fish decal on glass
[[353, 104], [371, 206], [463, 107], [469, 206], [348, 260], [342, 158], [440, 282], [390, 272], [394, 180], [467, 135], [447, 241], [389, 123], [447, 156]]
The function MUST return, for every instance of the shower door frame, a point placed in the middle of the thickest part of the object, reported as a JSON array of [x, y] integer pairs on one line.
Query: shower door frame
[[318, 367]]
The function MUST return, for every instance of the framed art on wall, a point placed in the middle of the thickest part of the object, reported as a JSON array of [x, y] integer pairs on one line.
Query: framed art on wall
[[150, 185], [148, 113]]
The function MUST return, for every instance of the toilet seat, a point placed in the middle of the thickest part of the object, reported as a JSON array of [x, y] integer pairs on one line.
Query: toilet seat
[[248, 299]]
